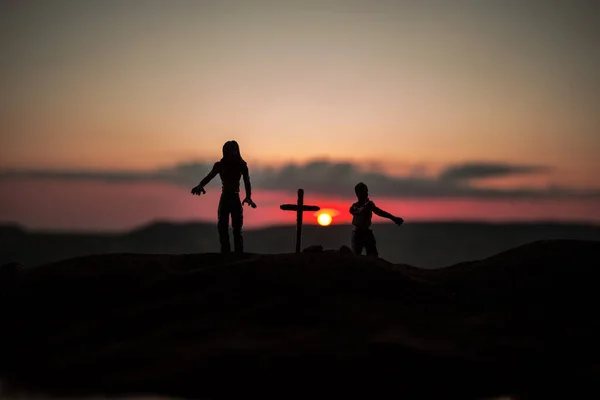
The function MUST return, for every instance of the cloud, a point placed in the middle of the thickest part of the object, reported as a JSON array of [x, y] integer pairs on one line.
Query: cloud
[[480, 170], [339, 178]]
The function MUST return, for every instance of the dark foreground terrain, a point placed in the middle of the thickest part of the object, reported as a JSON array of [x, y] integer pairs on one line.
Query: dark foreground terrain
[[313, 325]]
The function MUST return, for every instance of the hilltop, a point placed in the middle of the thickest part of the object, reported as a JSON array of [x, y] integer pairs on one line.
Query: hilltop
[[317, 325]]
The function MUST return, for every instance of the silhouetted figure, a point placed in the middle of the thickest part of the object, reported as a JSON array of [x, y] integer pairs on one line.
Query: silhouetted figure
[[362, 211], [231, 168]]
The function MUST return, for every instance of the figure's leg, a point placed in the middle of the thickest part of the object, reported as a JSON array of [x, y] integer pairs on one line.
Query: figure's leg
[[357, 243], [223, 225], [371, 244], [237, 222]]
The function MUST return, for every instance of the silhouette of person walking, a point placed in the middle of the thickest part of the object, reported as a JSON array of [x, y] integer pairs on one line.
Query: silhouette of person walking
[[231, 168], [362, 211]]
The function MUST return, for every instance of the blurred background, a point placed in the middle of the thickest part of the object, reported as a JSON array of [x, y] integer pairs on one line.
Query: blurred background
[[472, 111]]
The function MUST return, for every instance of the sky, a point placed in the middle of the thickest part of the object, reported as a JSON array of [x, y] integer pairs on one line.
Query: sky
[[111, 111]]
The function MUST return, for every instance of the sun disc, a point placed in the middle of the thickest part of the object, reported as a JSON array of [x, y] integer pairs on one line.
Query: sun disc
[[324, 219]]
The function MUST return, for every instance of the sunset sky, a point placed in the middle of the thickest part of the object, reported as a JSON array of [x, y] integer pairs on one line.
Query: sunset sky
[[111, 111]]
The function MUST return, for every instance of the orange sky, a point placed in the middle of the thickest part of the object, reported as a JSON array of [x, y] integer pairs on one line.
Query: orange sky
[[413, 88]]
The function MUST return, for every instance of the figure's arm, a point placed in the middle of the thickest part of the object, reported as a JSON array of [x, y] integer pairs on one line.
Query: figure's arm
[[247, 185], [214, 172], [356, 209], [381, 213], [384, 214], [200, 188]]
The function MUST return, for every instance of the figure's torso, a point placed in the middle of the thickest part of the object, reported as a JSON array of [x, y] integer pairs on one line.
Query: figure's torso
[[362, 220], [231, 174]]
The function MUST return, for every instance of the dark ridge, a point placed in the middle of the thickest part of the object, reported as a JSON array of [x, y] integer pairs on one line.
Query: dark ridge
[[425, 245]]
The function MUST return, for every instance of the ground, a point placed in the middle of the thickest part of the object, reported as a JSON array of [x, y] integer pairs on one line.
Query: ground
[[211, 326]]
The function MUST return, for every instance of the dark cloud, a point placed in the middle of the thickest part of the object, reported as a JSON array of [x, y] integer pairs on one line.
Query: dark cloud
[[482, 170], [339, 179]]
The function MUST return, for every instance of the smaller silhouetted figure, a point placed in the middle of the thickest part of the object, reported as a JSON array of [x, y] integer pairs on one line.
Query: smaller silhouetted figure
[[362, 211], [231, 168]]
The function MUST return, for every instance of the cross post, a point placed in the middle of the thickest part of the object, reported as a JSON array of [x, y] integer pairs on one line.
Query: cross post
[[299, 207]]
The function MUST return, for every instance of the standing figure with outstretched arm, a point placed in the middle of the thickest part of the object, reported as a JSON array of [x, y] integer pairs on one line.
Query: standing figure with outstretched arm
[[231, 169], [362, 212]]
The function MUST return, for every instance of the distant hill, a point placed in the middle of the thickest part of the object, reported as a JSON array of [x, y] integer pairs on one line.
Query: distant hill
[[522, 322], [426, 245]]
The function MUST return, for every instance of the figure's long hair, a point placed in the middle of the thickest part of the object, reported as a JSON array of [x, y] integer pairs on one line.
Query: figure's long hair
[[231, 152]]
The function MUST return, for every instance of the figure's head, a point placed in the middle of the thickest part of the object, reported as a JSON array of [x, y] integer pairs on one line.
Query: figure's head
[[231, 150], [362, 191]]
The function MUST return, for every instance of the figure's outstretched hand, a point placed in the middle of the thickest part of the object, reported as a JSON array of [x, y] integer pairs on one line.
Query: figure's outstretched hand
[[398, 221], [249, 201], [198, 190]]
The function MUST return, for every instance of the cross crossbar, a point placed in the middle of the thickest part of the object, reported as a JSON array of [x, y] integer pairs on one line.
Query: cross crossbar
[[300, 208], [294, 207]]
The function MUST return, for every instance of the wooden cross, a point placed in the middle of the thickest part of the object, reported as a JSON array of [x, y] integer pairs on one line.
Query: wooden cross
[[299, 208]]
